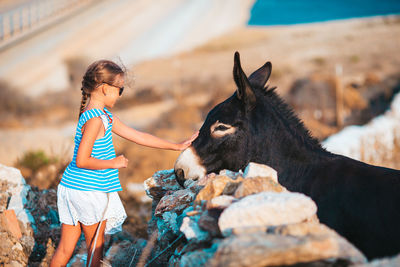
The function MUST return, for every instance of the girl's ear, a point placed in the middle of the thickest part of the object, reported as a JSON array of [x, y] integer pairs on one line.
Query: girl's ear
[[104, 89]]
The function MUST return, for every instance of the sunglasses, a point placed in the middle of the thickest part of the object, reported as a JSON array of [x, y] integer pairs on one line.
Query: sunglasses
[[121, 89]]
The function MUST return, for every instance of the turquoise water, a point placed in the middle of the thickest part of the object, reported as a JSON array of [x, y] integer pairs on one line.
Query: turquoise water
[[286, 12]]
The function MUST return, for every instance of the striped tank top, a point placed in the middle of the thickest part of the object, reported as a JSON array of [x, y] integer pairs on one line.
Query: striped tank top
[[104, 180]]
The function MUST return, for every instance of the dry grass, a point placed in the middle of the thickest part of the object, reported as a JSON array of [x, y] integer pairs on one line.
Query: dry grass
[[18, 110], [41, 170], [250, 36], [147, 250]]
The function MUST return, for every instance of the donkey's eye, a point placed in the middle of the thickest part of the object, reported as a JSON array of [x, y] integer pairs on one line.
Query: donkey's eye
[[221, 128]]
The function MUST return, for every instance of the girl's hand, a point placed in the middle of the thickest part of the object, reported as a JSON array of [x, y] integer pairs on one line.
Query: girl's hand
[[187, 143], [120, 162]]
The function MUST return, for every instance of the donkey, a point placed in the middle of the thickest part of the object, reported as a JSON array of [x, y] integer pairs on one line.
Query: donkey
[[360, 201]]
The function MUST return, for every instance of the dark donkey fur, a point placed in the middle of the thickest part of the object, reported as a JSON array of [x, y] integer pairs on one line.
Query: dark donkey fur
[[360, 201]]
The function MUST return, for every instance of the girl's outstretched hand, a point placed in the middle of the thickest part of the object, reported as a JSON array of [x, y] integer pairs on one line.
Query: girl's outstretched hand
[[120, 162], [187, 143]]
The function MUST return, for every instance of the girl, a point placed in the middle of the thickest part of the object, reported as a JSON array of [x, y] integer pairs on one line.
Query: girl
[[87, 197]]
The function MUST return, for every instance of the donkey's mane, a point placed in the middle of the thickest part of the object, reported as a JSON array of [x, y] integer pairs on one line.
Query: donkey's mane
[[295, 124]]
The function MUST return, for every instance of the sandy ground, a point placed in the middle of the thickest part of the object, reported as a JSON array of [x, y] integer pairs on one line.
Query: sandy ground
[[359, 46]]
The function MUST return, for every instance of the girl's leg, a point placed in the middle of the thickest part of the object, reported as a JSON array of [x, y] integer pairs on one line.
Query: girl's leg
[[69, 237], [90, 233]]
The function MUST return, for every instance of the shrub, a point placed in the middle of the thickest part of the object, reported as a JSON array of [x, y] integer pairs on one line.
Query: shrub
[[34, 160], [320, 61]]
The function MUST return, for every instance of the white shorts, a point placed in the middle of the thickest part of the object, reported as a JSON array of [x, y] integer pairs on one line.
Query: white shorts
[[88, 207]]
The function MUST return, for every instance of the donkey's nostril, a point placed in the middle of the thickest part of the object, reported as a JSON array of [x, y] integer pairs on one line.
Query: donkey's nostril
[[179, 173], [180, 176]]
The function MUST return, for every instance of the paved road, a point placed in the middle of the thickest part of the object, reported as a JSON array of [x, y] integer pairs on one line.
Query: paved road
[[130, 30]]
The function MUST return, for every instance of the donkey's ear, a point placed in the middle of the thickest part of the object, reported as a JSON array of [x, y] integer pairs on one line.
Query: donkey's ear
[[259, 78], [244, 92]]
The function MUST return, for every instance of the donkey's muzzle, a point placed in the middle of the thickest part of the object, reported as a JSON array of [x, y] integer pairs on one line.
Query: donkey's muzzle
[[188, 166], [180, 177]]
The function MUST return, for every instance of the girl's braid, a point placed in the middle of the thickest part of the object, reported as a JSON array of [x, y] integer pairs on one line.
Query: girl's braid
[[88, 84], [85, 97]]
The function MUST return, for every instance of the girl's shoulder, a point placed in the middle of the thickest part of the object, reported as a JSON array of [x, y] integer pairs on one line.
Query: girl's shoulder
[[89, 114], [95, 112]]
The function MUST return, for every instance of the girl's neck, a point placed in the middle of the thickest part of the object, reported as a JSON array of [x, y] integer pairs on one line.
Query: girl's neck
[[94, 103]]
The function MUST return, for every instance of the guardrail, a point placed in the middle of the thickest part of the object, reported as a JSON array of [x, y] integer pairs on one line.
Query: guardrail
[[23, 19]]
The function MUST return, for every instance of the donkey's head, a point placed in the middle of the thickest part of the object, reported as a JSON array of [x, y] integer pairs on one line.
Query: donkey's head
[[226, 139]]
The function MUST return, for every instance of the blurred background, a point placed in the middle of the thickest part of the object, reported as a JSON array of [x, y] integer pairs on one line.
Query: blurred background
[[336, 63]]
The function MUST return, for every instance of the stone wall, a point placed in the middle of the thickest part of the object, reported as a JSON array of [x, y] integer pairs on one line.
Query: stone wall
[[241, 219]]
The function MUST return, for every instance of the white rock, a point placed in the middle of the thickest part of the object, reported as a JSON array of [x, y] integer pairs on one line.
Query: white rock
[[18, 189], [267, 209], [374, 141], [161, 181], [220, 202], [138, 190], [231, 174], [17, 246], [191, 230], [255, 169], [15, 264]]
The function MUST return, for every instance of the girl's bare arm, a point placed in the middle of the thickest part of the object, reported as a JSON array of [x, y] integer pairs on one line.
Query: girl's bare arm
[[146, 139], [84, 159]]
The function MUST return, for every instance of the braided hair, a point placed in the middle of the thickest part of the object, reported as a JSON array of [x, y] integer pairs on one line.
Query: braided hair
[[101, 71]]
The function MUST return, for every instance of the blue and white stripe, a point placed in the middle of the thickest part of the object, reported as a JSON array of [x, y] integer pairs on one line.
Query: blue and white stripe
[[104, 180]]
